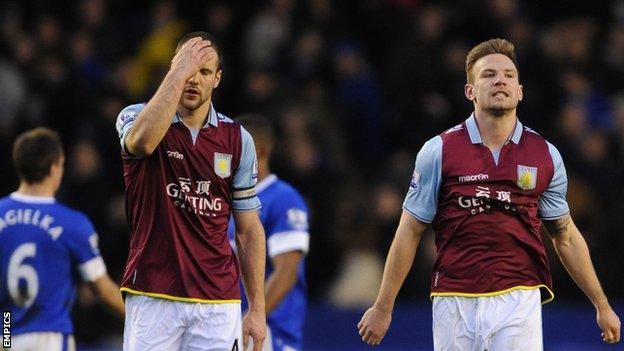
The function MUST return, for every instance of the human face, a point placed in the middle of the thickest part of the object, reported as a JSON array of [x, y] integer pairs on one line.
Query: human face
[[199, 87], [495, 88]]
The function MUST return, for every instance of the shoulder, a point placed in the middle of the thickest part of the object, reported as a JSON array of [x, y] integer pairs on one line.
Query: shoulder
[[131, 111], [457, 135], [225, 119], [129, 114], [432, 148], [228, 123], [72, 213], [78, 220], [287, 194], [534, 138], [454, 130], [5, 201], [287, 189], [531, 134]]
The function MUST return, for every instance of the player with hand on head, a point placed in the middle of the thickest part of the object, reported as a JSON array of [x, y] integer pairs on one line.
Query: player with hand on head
[[487, 185], [186, 167], [43, 244], [284, 216]]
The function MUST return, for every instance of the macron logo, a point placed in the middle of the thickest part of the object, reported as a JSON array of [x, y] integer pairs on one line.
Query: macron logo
[[175, 154], [472, 178]]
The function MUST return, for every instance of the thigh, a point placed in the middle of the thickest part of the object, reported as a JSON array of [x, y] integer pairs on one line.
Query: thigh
[[38, 342], [522, 328], [215, 327], [454, 323], [152, 324]]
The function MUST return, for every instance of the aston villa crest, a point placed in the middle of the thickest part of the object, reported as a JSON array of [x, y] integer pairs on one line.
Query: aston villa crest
[[222, 164], [527, 177]]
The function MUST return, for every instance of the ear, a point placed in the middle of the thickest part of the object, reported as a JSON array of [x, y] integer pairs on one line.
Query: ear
[[469, 91], [520, 92], [56, 169], [217, 79]]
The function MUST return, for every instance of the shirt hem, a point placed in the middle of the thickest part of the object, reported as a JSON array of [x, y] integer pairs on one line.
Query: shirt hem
[[177, 298], [496, 293]]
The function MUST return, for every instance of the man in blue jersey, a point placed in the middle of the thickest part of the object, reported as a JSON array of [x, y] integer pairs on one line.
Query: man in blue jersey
[[43, 247], [284, 216]]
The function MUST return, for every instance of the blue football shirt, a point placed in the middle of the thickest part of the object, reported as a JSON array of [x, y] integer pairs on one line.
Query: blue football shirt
[[44, 248], [284, 216]]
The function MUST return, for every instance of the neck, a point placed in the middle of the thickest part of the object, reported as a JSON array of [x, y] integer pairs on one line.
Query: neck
[[43, 189], [495, 130], [195, 119]]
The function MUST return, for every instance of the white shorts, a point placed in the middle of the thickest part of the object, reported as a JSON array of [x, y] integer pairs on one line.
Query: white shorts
[[47, 341], [159, 324], [511, 321]]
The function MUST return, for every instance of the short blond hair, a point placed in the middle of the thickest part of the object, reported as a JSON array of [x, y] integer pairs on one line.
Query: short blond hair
[[492, 46]]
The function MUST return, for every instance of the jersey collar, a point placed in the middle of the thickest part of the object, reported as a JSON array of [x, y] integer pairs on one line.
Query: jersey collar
[[265, 183], [31, 199], [475, 137], [213, 119]]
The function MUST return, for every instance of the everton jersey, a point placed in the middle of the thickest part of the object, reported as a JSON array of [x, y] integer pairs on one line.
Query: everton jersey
[[44, 248], [179, 200], [486, 209], [284, 216]]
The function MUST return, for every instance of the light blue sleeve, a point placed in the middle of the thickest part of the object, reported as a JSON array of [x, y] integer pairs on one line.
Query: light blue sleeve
[[244, 195], [421, 200], [552, 203], [124, 123]]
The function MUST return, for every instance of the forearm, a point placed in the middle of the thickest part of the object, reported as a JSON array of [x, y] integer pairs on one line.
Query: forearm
[[108, 292], [155, 118], [399, 261], [278, 285], [574, 255], [252, 258]]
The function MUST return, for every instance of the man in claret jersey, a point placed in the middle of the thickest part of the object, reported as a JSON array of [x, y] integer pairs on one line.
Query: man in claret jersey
[[487, 185], [186, 168]]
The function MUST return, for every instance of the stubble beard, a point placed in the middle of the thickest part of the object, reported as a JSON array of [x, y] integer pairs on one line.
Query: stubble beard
[[500, 110], [192, 105]]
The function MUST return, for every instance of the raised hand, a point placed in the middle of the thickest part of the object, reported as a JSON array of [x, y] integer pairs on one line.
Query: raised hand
[[191, 57]]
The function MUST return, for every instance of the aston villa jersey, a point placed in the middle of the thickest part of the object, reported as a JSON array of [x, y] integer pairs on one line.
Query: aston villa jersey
[[486, 209], [179, 200]]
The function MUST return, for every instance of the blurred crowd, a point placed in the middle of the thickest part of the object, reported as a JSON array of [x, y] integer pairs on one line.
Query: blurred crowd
[[354, 89]]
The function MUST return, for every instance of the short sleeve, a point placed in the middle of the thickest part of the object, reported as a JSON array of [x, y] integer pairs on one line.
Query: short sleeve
[[421, 200], [289, 226], [243, 193], [552, 202], [124, 123], [84, 250]]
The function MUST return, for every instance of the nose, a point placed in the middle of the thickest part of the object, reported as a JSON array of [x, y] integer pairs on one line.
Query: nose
[[194, 79], [500, 80]]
